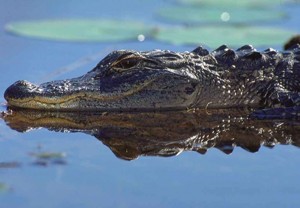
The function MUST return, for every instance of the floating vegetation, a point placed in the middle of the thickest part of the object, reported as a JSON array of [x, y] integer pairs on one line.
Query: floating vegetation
[[84, 30], [47, 158], [233, 3], [4, 187], [49, 155], [215, 36], [109, 30], [194, 15], [10, 164]]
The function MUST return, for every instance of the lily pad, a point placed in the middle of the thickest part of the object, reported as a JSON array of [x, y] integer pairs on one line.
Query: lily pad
[[47, 158], [80, 30], [233, 36], [194, 15], [232, 3]]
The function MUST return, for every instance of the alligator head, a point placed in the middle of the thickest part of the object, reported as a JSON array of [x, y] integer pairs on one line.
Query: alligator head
[[123, 80]]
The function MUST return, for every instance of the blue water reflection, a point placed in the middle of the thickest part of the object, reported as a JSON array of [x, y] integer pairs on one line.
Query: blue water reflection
[[94, 177]]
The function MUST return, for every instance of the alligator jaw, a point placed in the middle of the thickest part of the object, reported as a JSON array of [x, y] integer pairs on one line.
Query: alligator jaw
[[23, 94]]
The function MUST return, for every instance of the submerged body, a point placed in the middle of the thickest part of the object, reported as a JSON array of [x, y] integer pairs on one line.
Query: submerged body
[[162, 80]]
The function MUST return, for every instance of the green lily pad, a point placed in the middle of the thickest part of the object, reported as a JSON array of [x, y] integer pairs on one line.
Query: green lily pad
[[193, 15], [48, 158], [232, 3], [233, 36], [80, 30]]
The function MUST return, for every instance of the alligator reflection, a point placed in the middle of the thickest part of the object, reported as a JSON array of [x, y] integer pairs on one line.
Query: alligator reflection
[[130, 135]]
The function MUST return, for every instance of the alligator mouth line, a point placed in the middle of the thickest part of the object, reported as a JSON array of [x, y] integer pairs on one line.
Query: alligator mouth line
[[71, 101]]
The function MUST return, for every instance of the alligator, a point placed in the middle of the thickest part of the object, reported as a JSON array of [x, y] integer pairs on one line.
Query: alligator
[[127, 80]]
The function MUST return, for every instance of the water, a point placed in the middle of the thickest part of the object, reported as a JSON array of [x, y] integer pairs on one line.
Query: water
[[87, 173]]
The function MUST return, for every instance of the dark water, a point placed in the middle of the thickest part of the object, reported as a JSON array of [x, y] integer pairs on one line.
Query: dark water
[[119, 160]]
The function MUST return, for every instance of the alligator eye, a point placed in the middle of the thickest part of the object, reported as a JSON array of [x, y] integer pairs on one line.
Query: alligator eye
[[126, 63]]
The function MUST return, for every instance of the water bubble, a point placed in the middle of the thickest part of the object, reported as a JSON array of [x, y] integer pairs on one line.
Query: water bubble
[[225, 16], [141, 37]]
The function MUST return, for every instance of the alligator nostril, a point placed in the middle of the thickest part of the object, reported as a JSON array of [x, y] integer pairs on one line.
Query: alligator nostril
[[22, 83], [19, 89]]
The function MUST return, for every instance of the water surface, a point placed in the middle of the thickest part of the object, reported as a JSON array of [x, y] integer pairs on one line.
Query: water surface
[[134, 165]]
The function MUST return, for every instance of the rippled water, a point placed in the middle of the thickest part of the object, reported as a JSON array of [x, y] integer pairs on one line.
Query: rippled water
[[124, 160]]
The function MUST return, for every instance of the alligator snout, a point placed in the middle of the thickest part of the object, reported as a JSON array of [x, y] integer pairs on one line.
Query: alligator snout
[[24, 94], [19, 90]]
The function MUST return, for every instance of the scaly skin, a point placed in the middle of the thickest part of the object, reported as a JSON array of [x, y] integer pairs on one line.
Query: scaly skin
[[164, 80]]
